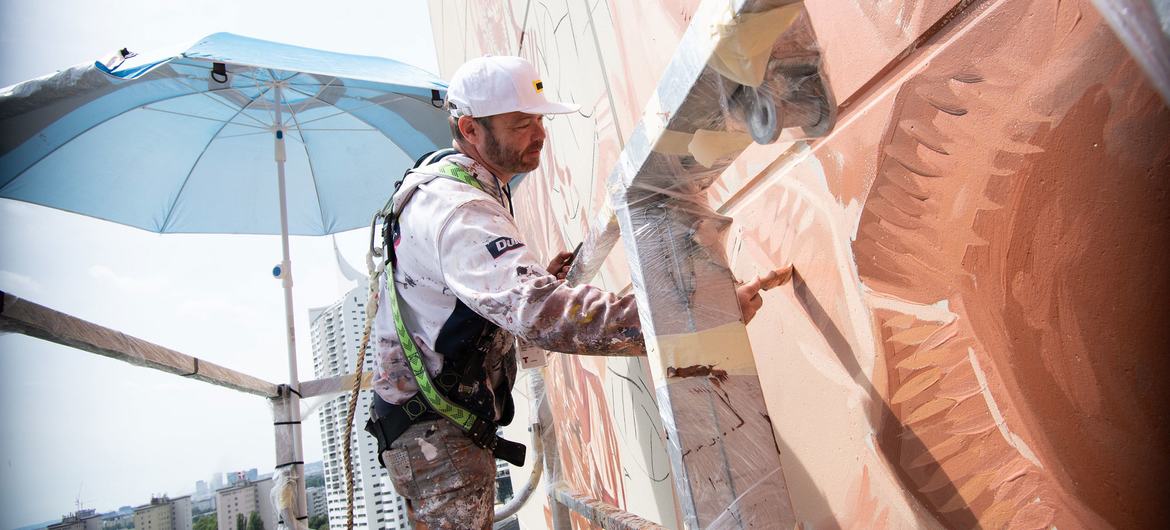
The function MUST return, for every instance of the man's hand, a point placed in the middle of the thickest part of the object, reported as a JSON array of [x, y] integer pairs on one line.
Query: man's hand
[[749, 293], [559, 266]]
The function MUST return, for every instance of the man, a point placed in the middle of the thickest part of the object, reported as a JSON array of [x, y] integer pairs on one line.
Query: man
[[466, 286]]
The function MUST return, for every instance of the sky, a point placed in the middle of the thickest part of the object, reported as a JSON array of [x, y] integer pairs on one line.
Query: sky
[[80, 426]]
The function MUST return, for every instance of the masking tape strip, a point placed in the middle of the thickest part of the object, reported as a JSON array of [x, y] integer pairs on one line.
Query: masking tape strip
[[724, 348], [745, 43]]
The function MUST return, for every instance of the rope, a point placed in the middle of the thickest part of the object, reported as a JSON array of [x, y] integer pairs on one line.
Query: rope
[[371, 310]]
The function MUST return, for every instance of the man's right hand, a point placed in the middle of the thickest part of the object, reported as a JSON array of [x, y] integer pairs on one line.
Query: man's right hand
[[749, 293], [559, 266]]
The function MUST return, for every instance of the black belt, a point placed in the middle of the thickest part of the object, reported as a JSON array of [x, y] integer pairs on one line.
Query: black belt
[[388, 421]]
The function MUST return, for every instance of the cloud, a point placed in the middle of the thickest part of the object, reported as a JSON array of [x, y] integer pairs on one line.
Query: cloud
[[18, 284], [150, 285]]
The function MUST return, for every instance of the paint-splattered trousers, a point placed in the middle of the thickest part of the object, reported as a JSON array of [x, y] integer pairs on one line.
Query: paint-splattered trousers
[[448, 482]]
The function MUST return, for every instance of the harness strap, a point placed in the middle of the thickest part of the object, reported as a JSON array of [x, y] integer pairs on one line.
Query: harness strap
[[481, 431]]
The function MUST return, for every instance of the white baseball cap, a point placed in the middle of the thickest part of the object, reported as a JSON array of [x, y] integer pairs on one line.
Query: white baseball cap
[[499, 84]]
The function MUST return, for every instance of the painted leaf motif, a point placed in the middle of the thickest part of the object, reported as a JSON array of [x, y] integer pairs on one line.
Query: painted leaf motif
[[967, 493], [940, 452], [914, 336], [915, 385], [929, 409]]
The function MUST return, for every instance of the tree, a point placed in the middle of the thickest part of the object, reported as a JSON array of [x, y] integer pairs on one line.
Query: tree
[[254, 522], [319, 522], [206, 522], [241, 523]]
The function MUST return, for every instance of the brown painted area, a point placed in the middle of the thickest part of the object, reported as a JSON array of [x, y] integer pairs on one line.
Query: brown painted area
[[1083, 289], [1025, 181], [700, 370]]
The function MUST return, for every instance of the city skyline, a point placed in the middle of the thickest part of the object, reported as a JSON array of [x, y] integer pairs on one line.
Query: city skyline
[[314, 468]]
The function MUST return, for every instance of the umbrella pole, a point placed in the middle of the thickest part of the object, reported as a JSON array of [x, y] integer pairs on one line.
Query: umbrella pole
[[297, 463]]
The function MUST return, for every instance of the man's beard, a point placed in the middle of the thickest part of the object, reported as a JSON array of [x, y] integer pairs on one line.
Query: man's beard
[[506, 159]]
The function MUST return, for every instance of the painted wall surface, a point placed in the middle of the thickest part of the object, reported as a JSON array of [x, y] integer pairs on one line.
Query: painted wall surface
[[977, 331]]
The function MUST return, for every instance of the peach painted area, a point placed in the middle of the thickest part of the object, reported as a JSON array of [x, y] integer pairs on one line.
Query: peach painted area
[[863, 37], [977, 333]]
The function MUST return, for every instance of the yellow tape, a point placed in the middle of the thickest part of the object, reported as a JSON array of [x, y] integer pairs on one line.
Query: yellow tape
[[723, 348], [709, 146], [745, 43], [673, 143]]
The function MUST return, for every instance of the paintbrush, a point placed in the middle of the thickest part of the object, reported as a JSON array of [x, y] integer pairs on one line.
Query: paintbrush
[[776, 278]]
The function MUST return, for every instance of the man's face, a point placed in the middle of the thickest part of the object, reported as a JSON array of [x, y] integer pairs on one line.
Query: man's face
[[512, 141]]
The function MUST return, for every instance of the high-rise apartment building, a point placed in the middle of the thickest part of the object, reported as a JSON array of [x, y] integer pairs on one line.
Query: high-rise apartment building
[[336, 335], [316, 501], [244, 498]]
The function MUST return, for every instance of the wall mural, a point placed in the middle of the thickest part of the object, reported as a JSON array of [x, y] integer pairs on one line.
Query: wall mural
[[976, 334]]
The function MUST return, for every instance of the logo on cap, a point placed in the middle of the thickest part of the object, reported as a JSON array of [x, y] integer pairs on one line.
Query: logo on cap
[[538, 85]]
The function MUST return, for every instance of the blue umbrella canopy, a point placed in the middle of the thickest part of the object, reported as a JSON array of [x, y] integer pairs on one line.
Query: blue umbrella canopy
[[221, 138], [184, 142]]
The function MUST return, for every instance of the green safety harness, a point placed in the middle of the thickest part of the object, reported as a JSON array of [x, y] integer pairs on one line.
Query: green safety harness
[[434, 393]]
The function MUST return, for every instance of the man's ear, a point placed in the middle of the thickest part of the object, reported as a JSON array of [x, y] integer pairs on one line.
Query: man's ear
[[469, 128]]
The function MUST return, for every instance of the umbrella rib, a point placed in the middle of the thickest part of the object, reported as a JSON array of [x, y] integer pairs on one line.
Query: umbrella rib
[[343, 111], [309, 159], [241, 135], [144, 107], [332, 129], [205, 94], [271, 113], [306, 103], [171, 209]]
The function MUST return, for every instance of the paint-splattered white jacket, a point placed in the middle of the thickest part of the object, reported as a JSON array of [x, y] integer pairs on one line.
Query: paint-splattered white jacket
[[468, 284]]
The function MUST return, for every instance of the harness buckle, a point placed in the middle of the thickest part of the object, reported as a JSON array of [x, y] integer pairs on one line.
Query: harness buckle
[[483, 434]]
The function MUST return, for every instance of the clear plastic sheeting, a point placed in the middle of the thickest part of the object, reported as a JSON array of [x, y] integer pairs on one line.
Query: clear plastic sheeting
[[1143, 26], [599, 241], [288, 482], [763, 83], [284, 491], [722, 438], [676, 153], [744, 72]]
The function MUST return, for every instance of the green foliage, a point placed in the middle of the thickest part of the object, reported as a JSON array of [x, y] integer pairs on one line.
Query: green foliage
[[254, 522], [241, 522], [319, 522], [312, 481], [206, 522]]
